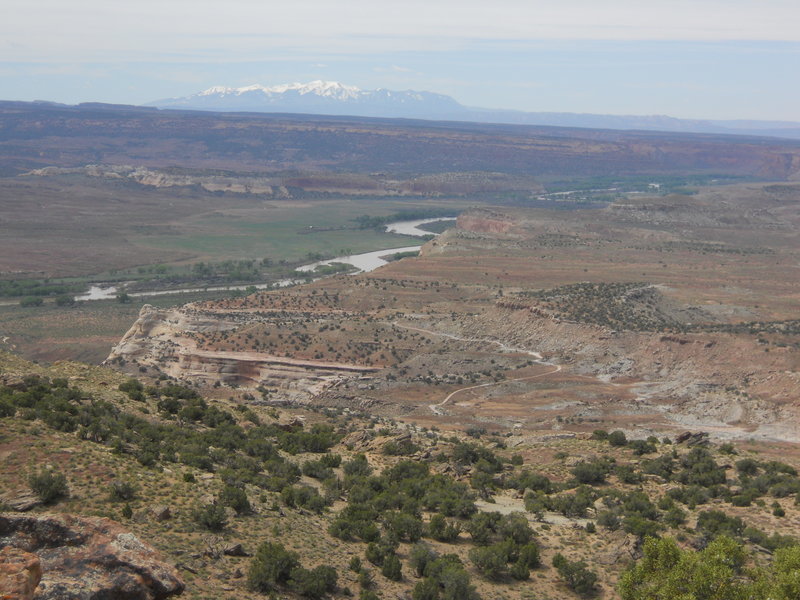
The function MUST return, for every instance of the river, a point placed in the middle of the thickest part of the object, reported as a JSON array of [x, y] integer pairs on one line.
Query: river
[[368, 261]]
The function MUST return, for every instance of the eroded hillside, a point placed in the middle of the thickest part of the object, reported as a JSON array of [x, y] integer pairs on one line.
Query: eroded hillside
[[649, 314]]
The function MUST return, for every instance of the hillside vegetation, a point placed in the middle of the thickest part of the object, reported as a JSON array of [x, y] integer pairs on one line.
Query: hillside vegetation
[[337, 503]]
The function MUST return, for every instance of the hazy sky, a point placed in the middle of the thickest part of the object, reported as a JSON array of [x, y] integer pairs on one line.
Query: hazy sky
[[686, 58]]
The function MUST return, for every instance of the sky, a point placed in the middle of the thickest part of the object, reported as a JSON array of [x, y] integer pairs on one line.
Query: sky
[[710, 59]]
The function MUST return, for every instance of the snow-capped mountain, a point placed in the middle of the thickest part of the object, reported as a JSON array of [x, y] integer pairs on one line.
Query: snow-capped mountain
[[334, 98], [320, 97]]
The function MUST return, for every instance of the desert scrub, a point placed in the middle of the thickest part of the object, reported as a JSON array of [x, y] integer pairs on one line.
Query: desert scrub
[[49, 486]]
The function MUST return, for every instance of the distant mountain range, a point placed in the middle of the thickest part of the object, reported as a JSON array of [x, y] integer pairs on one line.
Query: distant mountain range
[[334, 98]]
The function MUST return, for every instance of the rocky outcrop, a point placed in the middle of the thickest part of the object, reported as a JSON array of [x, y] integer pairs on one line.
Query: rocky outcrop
[[152, 331], [162, 179], [162, 338], [485, 221], [84, 558], [20, 573]]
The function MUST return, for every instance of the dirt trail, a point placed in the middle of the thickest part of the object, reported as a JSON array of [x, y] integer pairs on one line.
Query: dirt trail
[[437, 408]]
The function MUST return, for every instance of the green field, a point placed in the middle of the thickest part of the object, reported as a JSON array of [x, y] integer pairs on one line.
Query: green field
[[287, 232], [77, 230]]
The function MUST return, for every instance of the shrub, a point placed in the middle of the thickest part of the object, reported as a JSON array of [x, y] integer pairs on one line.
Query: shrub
[[515, 527], [211, 516], [666, 571], [442, 530], [121, 490], [617, 439], [31, 301], [357, 466], [609, 519], [317, 470], [578, 577], [314, 583], [272, 565], [401, 448], [482, 526], [716, 523], [747, 466], [427, 589], [65, 300], [49, 486], [590, 472], [490, 561], [355, 565], [675, 517], [528, 554], [391, 568], [303, 496], [420, 555], [404, 526], [236, 498], [378, 552], [520, 571], [641, 447]]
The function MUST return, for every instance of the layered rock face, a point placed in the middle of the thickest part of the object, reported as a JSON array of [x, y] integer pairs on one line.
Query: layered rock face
[[164, 339], [79, 558]]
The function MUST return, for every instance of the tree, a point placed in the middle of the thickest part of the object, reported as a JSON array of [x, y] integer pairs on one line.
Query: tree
[[665, 571]]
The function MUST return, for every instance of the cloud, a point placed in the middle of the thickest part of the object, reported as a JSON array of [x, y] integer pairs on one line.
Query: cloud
[[393, 69], [85, 30]]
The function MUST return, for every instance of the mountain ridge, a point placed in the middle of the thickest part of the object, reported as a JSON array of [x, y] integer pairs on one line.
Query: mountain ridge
[[335, 98]]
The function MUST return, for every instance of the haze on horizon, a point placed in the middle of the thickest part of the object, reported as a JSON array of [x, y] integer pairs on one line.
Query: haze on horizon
[[706, 59]]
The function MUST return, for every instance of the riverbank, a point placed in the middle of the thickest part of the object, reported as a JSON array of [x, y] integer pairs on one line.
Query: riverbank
[[364, 262]]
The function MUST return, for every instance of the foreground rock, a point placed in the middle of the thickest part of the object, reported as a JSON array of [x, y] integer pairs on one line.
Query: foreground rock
[[20, 573], [85, 558]]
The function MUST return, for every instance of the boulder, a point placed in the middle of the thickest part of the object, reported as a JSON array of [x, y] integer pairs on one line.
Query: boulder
[[235, 549], [161, 513], [693, 439], [89, 558], [21, 501], [20, 573]]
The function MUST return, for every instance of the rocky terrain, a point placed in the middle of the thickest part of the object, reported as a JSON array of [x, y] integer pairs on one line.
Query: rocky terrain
[[651, 313], [62, 557], [288, 186], [243, 498]]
